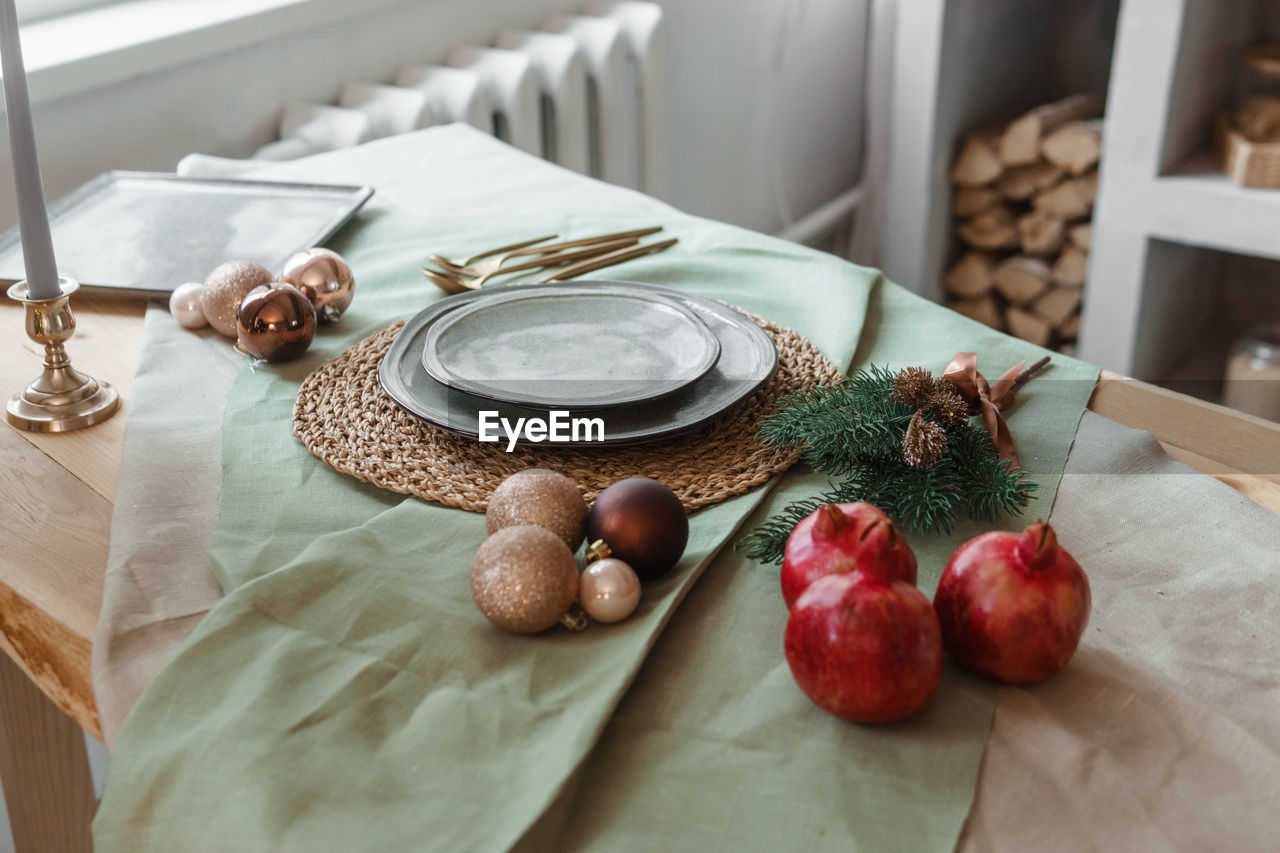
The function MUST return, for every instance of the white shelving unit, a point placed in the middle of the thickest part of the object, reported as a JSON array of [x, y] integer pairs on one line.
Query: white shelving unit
[[1165, 211], [1182, 259], [959, 64]]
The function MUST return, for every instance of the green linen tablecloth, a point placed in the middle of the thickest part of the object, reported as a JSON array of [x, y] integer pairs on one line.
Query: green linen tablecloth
[[346, 695]]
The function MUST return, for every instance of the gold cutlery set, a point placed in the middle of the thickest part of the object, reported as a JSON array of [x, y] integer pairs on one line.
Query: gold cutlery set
[[563, 260]]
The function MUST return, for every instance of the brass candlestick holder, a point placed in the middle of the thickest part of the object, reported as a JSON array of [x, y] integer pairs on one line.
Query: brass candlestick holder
[[61, 398]]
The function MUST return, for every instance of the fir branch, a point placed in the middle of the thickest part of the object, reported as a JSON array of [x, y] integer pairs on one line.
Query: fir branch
[[766, 542], [833, 427], [855, 431], [990, 485]]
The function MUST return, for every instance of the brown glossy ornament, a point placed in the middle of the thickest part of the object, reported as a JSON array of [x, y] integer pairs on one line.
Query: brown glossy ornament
[[224, 290], [542, 497], [524, 579], [325, 277], [643, 523], [276, 322]]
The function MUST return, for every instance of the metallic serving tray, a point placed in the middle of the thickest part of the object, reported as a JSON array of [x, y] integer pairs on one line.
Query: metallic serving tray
[[145, 233]]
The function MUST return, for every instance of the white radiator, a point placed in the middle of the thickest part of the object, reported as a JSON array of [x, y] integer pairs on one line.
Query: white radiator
[[584, 91]]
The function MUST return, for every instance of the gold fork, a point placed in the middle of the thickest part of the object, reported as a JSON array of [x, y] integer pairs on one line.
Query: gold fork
[[468, 261], [617, 256], [471, 268], [454, 283]]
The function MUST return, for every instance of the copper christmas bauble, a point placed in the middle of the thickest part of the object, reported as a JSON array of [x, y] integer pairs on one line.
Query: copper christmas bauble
[[325, 278], [643, 523], [224, 290], [524, 579], [541, 497], [276, 322]]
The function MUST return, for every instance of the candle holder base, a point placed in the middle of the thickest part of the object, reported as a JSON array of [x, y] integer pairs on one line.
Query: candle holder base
[[61, 398]]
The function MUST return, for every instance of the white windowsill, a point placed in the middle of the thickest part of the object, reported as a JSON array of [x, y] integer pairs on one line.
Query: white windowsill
[[108, 44]]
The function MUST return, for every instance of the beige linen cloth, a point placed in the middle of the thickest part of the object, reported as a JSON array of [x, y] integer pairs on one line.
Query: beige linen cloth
[[1164, 733]]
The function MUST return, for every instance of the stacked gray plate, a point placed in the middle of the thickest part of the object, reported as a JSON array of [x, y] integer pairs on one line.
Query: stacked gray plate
[[637, 362]]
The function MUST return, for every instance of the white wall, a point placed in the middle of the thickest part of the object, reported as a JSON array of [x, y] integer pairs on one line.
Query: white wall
[[765, 98], [766, 103]]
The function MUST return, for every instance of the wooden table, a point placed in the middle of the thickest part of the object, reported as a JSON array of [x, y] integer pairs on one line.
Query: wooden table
[[58, 492], [57, 495]]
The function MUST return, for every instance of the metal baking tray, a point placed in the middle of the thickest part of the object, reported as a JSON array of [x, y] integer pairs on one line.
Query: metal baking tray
[[145, 233]]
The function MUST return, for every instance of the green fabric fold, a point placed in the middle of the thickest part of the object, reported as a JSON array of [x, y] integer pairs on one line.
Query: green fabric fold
[[346, 694]]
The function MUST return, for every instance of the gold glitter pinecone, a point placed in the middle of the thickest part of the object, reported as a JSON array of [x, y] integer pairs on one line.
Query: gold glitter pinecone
[[912, 386], [925, 442], [947, 406]]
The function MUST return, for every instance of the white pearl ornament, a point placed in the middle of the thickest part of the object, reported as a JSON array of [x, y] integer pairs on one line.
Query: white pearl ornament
[[186, 304], [608, 590]]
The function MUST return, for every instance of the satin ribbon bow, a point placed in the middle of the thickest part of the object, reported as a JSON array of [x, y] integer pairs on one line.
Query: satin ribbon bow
[[963, 373]]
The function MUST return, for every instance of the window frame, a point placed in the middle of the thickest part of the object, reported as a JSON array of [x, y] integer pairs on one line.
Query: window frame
[[30, 11]]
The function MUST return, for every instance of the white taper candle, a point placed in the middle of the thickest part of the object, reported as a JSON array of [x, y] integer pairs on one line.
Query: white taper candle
[[33, 219]]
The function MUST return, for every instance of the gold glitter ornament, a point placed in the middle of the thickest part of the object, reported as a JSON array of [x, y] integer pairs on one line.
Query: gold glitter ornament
[[524, 579], [542, 497], [226, 287]]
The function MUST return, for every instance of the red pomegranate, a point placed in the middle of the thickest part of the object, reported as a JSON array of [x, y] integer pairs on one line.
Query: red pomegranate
[[838, 538], [864, 648], [1013, 606]]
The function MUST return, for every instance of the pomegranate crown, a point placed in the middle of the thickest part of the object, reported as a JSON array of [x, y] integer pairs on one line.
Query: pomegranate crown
[[1038, 546], [829, 521]]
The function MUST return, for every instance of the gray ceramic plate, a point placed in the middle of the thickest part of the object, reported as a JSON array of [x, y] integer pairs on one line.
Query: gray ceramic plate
[[595, 345], [747, 359]]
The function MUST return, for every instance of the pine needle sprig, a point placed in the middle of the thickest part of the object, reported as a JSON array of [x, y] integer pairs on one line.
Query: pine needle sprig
[[857, 431], [919, 499], [990, 485], [767, 541], [833, 427]]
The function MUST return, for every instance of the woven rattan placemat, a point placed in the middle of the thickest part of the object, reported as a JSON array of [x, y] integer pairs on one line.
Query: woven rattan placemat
[[344, 417]]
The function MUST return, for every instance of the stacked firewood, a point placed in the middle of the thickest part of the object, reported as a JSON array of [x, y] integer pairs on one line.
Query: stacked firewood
[[1023, 199]]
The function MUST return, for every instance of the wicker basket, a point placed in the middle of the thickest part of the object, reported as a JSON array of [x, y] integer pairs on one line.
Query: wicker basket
[[1249, 164]]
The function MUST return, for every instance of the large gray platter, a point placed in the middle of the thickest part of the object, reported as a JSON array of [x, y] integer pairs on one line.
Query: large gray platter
[[586, 347], [747, 359], [145, 233]]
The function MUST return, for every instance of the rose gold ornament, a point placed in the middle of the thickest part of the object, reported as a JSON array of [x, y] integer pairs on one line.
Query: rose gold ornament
[[224, 290], [186, 305], [325, 277], [524, 579], [541, 497], [276, 322], [608, 590]]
